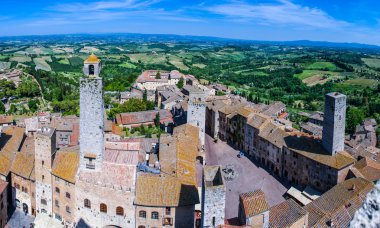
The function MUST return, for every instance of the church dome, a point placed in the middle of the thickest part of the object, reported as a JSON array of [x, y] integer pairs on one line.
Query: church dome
[[92, 59]]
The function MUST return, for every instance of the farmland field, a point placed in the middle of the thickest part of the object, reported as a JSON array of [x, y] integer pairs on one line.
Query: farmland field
[[176, 61], [199, 65], [148, 58], [313, 77], [322, 66], [64, 61], [21, 59], [127, 65], [5, 65], [364, 82], [41, 64], [375, 63]]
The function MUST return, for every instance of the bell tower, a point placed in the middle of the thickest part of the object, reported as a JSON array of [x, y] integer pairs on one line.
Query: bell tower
[[91, 137], [92, 66]]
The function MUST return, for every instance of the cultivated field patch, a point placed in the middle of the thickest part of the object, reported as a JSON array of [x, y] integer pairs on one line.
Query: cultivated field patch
[[364, 82], [375, 63], [322, 66], [21, 59], [41, 64]]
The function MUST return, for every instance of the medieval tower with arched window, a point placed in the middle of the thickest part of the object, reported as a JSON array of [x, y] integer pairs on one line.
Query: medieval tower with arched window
[[91, 115]]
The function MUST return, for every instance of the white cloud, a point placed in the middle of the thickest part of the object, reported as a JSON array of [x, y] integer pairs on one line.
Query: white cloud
[[101, 11], [281, 12], [103, 5]]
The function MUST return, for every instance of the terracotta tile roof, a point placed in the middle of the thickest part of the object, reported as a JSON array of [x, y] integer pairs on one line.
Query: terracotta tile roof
[[258, 120], [14, 143], [138, 118], [311, 147], [285, 214], [23, 165], [3, 185], [66, 164], [368, 168], [5, 165], [123, 177], [176, 185], [246, 111], [274, 134], [150, 76], [339, 203], [121, 157], [233, 108], [28, 146], [11, 147], [4, 119], [161, 191], [254, 203]]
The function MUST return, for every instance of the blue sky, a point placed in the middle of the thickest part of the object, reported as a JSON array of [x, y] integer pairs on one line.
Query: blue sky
[[325, 20]]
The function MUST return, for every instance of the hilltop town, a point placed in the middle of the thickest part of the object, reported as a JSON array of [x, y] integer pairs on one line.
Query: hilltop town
[[201, 157]]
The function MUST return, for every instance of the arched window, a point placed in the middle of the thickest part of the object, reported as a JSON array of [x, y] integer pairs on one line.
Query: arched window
[[43, 201], [119, 211], [141, 226], [87, 203], [154, 215], [103, 208], [91, 70], [142, 214], [57, 190]]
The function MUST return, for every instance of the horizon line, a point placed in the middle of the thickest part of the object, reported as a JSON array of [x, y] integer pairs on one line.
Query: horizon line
[[189, 35]]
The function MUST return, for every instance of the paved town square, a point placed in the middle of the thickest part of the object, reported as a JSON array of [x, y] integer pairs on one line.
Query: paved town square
[[249, 177]]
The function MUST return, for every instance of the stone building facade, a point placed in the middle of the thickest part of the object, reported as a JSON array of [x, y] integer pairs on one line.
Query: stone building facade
[[213, 197], [3, 203], [196, 111], [45, 147], [299, 158], [91, 115], [334, 121]]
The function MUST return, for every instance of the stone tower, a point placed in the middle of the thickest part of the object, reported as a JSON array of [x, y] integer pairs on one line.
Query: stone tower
[[196, 111], [334, 122], [213, 197], [91, 137], [45, 147]]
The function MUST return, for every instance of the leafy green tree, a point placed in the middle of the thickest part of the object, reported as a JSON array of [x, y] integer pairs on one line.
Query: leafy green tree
[[145, 95], [355, 116], [12, 109], [132, 105], [158, 75], [180, 83], [33, 105], [2, 108], [157, 119]]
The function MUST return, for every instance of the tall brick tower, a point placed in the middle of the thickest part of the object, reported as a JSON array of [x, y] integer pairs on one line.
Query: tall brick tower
[[91, 116], [334, 122], [45, 147]]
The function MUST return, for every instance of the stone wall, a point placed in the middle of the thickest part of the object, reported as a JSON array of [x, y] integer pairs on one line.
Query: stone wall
[[213, 197], [24, 197], [3, 211], [45, 147], [91, 120], [334, 122], [65, 198], [196, 114], [112, 197]]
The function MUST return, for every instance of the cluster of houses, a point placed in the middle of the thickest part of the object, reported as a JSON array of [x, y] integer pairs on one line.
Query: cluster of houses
[[82, 172]]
